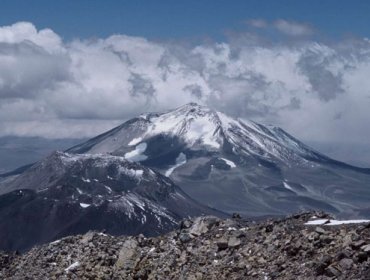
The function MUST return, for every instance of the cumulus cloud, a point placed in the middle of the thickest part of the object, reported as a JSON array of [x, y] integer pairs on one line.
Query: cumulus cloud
[[27, 32], [53, 88]]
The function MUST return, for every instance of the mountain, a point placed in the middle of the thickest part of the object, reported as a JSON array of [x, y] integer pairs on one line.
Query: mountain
[[236, 165], [147, 174], [68, 194]]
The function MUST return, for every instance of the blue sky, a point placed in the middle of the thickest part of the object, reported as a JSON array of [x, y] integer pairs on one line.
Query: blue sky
[[168, 19]]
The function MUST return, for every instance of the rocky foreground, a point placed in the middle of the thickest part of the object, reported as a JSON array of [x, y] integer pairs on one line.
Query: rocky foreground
[[205, 248]]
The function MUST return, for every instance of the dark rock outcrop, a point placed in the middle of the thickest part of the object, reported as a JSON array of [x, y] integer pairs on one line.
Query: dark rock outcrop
[[205, 248]]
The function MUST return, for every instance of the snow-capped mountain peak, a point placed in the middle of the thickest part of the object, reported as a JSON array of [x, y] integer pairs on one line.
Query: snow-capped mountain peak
[[193, 123], [199, 128]]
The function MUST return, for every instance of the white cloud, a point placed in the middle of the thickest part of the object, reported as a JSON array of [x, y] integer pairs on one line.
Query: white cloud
[[76, 89], [292, 28], [25, 31], [257, 23]]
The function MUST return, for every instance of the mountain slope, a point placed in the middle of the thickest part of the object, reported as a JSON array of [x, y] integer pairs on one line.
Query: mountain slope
[[69, 194], [236, 165], [206, 248]]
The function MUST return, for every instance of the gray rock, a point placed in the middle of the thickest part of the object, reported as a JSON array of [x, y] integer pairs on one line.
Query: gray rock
[[88, 237], [366, 248], [326, 259], [347, 240], [185, 237], [358, 244], [127, 255], [343, 254], [233, 242], [202, 225], [185, 223], [326, 238], [346, 264], [320, 230], [332, 271]]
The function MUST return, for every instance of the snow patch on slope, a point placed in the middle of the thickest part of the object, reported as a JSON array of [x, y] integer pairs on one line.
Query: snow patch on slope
[[84, 205], [180, 160], [287, 186], [229, 163], [135, 141], [137, 154], [328, 222]]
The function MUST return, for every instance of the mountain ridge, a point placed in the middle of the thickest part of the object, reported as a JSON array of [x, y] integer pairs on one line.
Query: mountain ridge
[[265, 160], [193, 107], [68, 194]]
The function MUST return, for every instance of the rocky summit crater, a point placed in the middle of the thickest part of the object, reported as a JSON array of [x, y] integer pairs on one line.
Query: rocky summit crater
[[309, 245]]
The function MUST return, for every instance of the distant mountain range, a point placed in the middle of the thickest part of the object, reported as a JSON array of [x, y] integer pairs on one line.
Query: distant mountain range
[[147, 174], [357, 154], [17, 151]]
